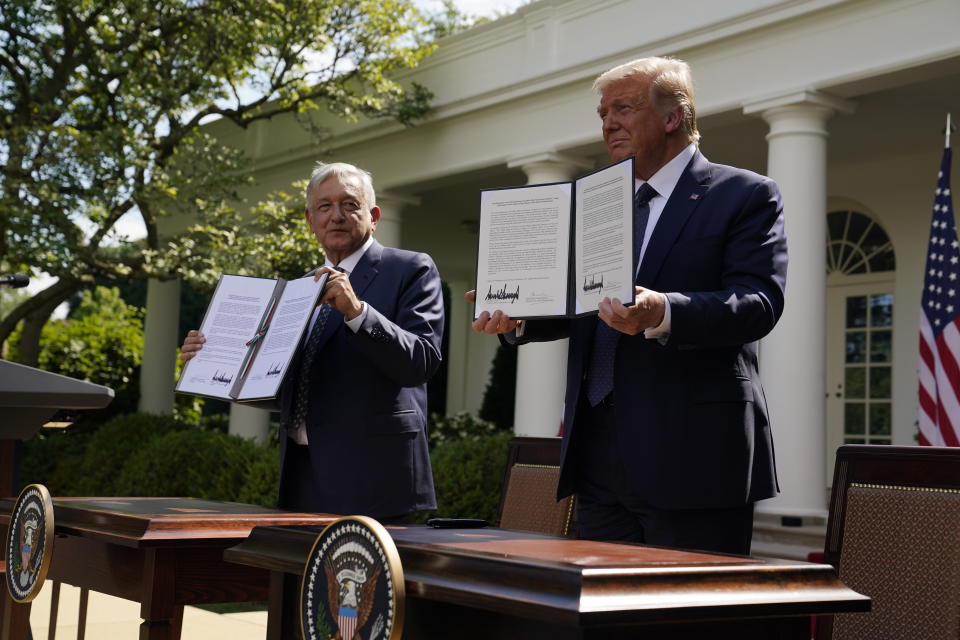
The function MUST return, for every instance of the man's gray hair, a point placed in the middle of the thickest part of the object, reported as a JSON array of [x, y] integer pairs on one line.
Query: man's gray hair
[[671, 86], [341, 170]]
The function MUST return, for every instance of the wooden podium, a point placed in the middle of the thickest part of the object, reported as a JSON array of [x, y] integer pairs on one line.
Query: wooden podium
[[29, 398], [474, 584], [161, 552]]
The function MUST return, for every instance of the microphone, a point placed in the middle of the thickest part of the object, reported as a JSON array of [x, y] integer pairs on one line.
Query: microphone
[[16, 281]]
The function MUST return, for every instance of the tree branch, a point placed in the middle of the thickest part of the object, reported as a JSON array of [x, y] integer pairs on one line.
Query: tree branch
[[53, 295]]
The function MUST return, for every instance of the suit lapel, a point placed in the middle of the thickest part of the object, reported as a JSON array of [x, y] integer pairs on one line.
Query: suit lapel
[[360, 279], [686, 197], [367, 268]]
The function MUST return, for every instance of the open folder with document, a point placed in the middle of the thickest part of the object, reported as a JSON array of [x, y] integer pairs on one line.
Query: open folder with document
[[557, 250], [252, 328]]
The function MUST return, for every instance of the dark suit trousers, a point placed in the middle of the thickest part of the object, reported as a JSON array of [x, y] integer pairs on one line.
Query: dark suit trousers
[[297, 476], [609, 509]]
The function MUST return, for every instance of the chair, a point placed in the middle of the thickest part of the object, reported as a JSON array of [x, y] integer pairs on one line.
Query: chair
[[894, 535], [528, 501]]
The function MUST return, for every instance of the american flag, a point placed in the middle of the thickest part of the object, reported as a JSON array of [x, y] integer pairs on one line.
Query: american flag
[[940, 324]]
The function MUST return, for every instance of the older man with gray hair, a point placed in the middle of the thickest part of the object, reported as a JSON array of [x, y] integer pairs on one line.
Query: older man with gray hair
[[354, 403], [666, 431]]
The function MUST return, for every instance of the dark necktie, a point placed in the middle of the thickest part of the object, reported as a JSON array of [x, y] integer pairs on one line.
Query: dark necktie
[[299, 413], [600, 371]]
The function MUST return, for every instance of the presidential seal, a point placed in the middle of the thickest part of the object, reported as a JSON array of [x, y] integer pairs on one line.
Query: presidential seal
[[29, 543], [352, 586]]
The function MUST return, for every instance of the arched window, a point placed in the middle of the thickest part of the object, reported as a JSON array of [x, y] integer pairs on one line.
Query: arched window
[[860, 303], [857, 244]]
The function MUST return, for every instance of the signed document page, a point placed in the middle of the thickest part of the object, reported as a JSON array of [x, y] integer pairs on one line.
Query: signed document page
[[285, 327], [523, 259], [231, 321], [603, 237]]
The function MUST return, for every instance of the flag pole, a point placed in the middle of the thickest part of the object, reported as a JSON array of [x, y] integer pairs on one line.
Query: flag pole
[[947, 142]]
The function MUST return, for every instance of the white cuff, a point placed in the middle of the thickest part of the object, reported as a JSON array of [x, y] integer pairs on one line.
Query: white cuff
[[298, 435], [357, 322], [661, 332]]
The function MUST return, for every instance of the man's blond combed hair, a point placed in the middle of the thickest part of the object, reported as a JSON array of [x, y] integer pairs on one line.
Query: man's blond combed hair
[[671, 86]]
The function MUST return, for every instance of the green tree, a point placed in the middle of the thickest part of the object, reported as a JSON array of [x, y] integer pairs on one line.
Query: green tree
[[101, 341], [101, 106], [499, 398], [274, 241]]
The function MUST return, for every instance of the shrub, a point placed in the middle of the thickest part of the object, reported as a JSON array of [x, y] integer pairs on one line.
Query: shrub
[[262, 482], [115, 442], [54, 458], [499, 397], [101, 342], [199, 464], [460, 426], [469, 475]]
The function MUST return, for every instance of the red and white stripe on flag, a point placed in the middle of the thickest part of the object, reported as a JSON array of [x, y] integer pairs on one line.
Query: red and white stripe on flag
[[939, 420]]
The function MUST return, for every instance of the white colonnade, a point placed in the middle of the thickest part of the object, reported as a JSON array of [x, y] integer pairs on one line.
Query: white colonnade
[[542, 367], [793, 356]]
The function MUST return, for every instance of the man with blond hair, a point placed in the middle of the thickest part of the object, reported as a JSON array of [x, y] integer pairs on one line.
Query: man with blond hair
[[667, 438], [354, 402]]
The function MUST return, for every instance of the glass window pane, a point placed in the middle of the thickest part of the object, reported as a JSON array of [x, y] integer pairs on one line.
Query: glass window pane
[[833, 257], [854, 414], [858, 263], [856, 312], [880, 382], [853, 441], [881, 347], [884, 261], [856, 346], [880, 419], [836, 221], [881, 310], [858, 224], [855, 382], [875, 239]]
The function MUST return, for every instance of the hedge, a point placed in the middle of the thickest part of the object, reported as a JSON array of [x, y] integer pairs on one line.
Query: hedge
[[148, 455], [112, 445], [469, 476]]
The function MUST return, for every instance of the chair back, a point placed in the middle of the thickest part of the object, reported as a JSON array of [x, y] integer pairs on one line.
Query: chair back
[[894, 535], [528, 501]]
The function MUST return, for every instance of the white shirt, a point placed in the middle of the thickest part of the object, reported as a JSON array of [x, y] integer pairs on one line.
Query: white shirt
[[664, 181]]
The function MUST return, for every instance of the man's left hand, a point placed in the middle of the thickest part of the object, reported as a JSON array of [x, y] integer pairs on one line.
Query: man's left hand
[[647, 311], [339, 293]]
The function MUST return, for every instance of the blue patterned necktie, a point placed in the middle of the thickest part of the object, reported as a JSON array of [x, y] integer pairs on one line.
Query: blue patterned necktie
[[600, 371], [299, 413]]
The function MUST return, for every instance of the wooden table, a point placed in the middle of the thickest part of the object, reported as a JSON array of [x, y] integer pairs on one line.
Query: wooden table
[[493, 583], [162, 552]]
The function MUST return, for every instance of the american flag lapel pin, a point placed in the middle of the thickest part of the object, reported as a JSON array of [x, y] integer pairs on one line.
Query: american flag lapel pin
[[694, 196]]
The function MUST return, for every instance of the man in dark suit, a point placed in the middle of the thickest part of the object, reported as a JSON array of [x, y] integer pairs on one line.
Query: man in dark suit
[[667, 439], [354, 404]]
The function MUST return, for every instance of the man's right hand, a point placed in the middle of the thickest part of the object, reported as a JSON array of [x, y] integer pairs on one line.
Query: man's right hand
[[191, 344], [497, 322]]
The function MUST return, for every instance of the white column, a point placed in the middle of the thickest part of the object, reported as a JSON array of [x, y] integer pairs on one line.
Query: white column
[[390, 226], [248, 422], [793, 356], [160, 343], [542, 367], [458, 321]]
